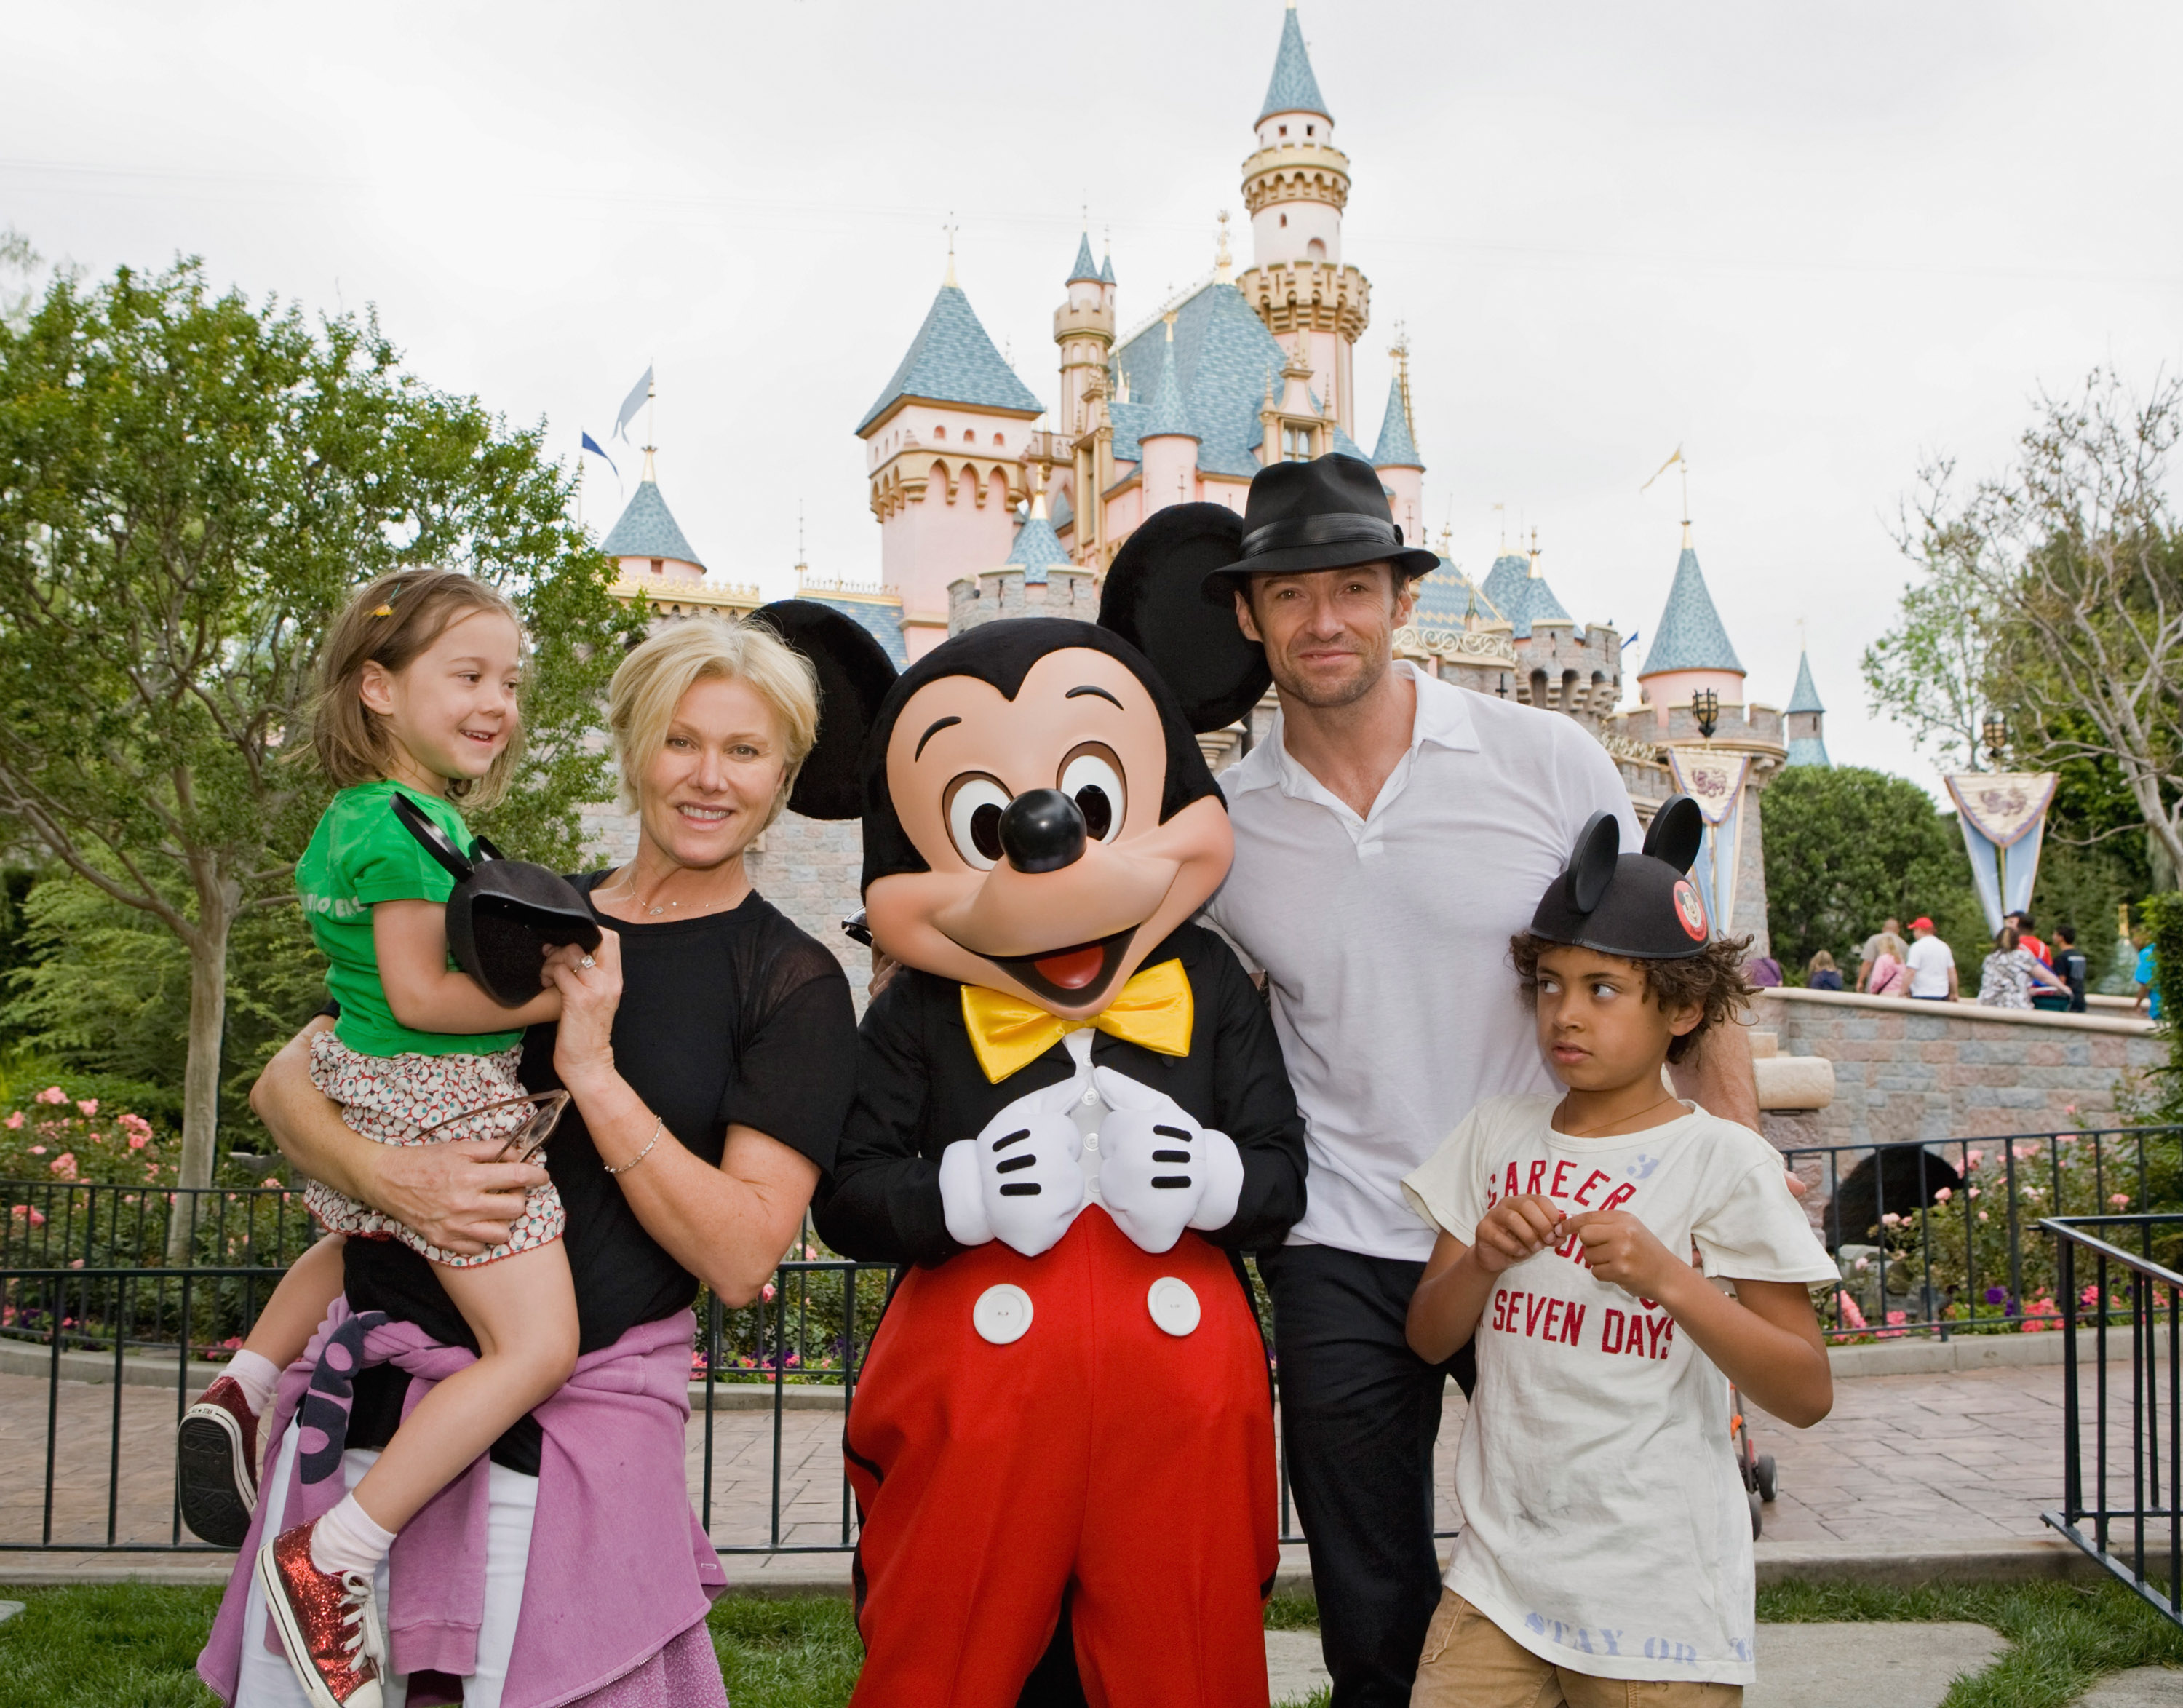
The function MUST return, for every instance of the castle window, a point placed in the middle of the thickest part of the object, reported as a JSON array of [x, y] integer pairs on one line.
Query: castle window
[[1299, 444], [997, 438], [1315, 249], [1309, 130], [659, 567], [1285, 219], [1285, 130], [939, 432]]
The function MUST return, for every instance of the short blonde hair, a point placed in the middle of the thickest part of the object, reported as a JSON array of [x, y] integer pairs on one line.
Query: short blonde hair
[[388, 623], [648, 687]]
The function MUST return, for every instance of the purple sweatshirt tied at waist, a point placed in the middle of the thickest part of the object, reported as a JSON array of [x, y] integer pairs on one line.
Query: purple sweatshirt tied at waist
[[618, 1566]]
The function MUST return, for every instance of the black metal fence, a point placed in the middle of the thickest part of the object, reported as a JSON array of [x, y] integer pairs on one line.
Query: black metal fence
[[2126, 1515], [104, 1342], [1939, 1239]]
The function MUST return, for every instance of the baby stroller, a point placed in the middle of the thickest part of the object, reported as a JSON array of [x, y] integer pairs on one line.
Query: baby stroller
[[1759, 1482]]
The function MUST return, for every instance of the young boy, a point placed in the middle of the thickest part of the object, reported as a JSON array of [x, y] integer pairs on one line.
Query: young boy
[[1607, 1534]]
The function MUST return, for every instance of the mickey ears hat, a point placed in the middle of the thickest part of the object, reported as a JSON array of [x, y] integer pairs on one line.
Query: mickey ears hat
[[1326, 513], [1638, 905], [503, 915], [1151, 599]]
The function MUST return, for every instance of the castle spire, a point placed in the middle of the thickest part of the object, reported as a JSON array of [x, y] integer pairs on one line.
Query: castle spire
[[1293, 89]]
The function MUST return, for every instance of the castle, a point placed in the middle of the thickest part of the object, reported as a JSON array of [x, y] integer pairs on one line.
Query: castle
[[984, 513]]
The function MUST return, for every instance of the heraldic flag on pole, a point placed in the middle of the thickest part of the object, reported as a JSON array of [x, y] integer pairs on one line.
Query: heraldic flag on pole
[[1714, 780], [2004, 820]]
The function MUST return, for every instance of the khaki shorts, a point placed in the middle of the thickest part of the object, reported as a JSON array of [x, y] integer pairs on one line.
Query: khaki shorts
[[1470, 1662]]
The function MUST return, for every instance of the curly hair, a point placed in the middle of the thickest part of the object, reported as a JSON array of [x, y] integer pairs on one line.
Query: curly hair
[[1713, 980]]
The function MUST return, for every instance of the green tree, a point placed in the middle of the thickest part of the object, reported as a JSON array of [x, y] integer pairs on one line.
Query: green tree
[[192, 487], [1846, 849], [1930, 672]]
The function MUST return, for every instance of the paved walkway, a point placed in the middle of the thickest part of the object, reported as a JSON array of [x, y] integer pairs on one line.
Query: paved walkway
[[1963, 1456]]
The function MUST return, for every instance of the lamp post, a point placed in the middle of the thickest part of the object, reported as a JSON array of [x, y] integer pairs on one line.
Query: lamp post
[[1706, 705], [1997, 738]]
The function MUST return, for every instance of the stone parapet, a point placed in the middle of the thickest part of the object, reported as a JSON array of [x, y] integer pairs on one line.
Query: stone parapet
[[1922, 1071]]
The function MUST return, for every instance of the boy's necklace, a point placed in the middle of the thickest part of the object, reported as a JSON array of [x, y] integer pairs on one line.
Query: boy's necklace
[[1594, 1131]]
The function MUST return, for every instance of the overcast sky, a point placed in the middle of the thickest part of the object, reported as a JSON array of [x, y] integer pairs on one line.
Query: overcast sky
[[1815, 246]]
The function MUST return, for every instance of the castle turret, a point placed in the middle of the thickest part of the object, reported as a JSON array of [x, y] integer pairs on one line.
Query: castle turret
[[1167, 442], [944, 449], [1803, 720], [1689, 650], [1402, 470], [1296, 183], [1084, 328], [647, 542]]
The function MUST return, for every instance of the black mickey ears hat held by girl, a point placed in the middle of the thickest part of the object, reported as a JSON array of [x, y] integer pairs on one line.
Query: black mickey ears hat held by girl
[[504, 914], [1638, 905]]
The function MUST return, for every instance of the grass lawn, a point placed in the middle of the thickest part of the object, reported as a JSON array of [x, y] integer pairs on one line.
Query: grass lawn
[[96, 1646]]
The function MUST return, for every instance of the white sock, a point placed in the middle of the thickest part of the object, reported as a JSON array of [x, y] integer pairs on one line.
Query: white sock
[[346, 1540], [257, 1376]]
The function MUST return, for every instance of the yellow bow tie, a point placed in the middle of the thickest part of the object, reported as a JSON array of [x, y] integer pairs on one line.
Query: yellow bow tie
[[1154, 1009]]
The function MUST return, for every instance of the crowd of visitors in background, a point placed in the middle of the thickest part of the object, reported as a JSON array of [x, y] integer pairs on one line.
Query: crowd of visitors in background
[[2021, 972]]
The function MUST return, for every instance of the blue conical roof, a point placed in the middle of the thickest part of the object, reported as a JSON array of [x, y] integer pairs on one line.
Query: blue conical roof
[[952, 361], [1037, 550], [1086, 268], [1520, 596], [1397, 448], [1689, 636], [1168, 414], [647, 529], [1809, 750], [1806, 698], [1293, 89], [1106, 270]]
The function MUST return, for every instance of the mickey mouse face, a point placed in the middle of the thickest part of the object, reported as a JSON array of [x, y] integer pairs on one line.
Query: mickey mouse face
[[1050, 872]]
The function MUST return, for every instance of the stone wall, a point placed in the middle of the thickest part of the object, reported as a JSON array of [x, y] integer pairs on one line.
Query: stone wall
[[1927, 1070]]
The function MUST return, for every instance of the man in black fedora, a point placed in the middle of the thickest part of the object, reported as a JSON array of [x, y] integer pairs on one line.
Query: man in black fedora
[[1392, 832]]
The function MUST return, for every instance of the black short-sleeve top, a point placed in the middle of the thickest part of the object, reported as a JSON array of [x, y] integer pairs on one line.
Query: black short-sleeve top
[[730, 1019]]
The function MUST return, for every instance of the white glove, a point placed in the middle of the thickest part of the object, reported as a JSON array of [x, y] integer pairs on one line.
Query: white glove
[[1159, 1170], [1020, 1181]]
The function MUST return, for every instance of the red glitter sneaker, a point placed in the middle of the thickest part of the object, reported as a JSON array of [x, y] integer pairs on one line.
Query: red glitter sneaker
[[216, 1464], [327, 1623]]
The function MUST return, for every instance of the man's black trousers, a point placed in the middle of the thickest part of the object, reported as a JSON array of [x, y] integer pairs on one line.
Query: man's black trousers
[[1359, 1415]]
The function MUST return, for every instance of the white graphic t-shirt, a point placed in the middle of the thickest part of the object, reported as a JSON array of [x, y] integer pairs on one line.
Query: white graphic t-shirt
[[1606, 1526]]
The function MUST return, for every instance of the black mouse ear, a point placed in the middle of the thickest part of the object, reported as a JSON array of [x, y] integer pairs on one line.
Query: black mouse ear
[[854, 676], [434, 838], [1151, 600], [1677, 832], [1591, 864]]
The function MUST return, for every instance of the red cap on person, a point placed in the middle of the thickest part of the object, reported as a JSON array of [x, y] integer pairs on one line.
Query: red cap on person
[[1921, 923]]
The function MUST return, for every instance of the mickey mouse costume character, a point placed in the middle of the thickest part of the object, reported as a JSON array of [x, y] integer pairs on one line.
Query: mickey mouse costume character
[[1071, 1116]]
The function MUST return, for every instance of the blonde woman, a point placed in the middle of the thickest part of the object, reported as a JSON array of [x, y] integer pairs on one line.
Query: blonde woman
[[709, 1051], [1891, 966]]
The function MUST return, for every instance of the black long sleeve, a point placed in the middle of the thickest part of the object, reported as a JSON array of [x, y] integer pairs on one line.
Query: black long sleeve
[[881, 1202], [1256, 1105]]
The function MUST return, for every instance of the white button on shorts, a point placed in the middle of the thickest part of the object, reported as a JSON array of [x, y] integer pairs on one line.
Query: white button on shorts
[[1172, 1304], [1003, 1315]]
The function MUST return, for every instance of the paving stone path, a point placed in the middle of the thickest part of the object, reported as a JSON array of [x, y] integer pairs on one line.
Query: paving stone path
[[1961, 1456]]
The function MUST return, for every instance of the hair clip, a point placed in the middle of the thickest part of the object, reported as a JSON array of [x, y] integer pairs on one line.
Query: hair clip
[[384, 611]]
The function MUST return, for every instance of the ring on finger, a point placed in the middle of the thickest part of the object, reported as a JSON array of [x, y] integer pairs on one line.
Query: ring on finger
[[587, 963]]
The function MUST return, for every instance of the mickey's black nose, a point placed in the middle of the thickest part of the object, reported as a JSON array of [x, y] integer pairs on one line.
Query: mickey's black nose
[[1042, 830]]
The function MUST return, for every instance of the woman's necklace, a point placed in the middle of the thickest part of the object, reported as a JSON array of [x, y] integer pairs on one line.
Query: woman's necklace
[[655, 909], [1594, 1131]]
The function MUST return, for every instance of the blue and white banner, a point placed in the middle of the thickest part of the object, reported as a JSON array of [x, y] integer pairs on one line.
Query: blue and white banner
[[2003, 815], [635, 401], [1714, 780]]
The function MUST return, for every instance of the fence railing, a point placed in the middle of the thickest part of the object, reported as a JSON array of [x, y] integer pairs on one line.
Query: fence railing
[[104, 1342], [1939, 1239], [2127, 1516]]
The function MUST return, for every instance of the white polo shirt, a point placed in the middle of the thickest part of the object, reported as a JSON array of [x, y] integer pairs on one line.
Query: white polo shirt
[[1385, 938]]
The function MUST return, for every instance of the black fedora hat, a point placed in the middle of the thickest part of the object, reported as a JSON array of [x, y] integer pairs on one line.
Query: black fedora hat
[[1640, 905], [1326, 513], [503, 915]]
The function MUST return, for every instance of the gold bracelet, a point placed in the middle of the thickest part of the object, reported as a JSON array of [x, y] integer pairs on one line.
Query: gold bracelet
[[658, 1127]]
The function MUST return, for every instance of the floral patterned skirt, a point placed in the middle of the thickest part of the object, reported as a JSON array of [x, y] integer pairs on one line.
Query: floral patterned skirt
[[392, 1098]]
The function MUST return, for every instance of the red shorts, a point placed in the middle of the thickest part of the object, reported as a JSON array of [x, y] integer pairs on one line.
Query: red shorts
[[1098, 1452]]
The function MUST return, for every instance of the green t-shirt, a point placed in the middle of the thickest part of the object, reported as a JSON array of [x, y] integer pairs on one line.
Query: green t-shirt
[[361, 854]]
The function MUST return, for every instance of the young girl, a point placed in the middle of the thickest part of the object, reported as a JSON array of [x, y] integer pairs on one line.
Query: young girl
[[418, 698]]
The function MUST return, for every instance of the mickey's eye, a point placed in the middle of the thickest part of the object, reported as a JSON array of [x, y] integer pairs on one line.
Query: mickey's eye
[[975, 803], [1091, 776]]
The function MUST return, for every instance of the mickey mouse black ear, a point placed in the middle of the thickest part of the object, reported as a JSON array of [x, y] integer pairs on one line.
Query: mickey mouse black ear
[[854, 676], [1591, 864], [1677, 832], [1152, 601]]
